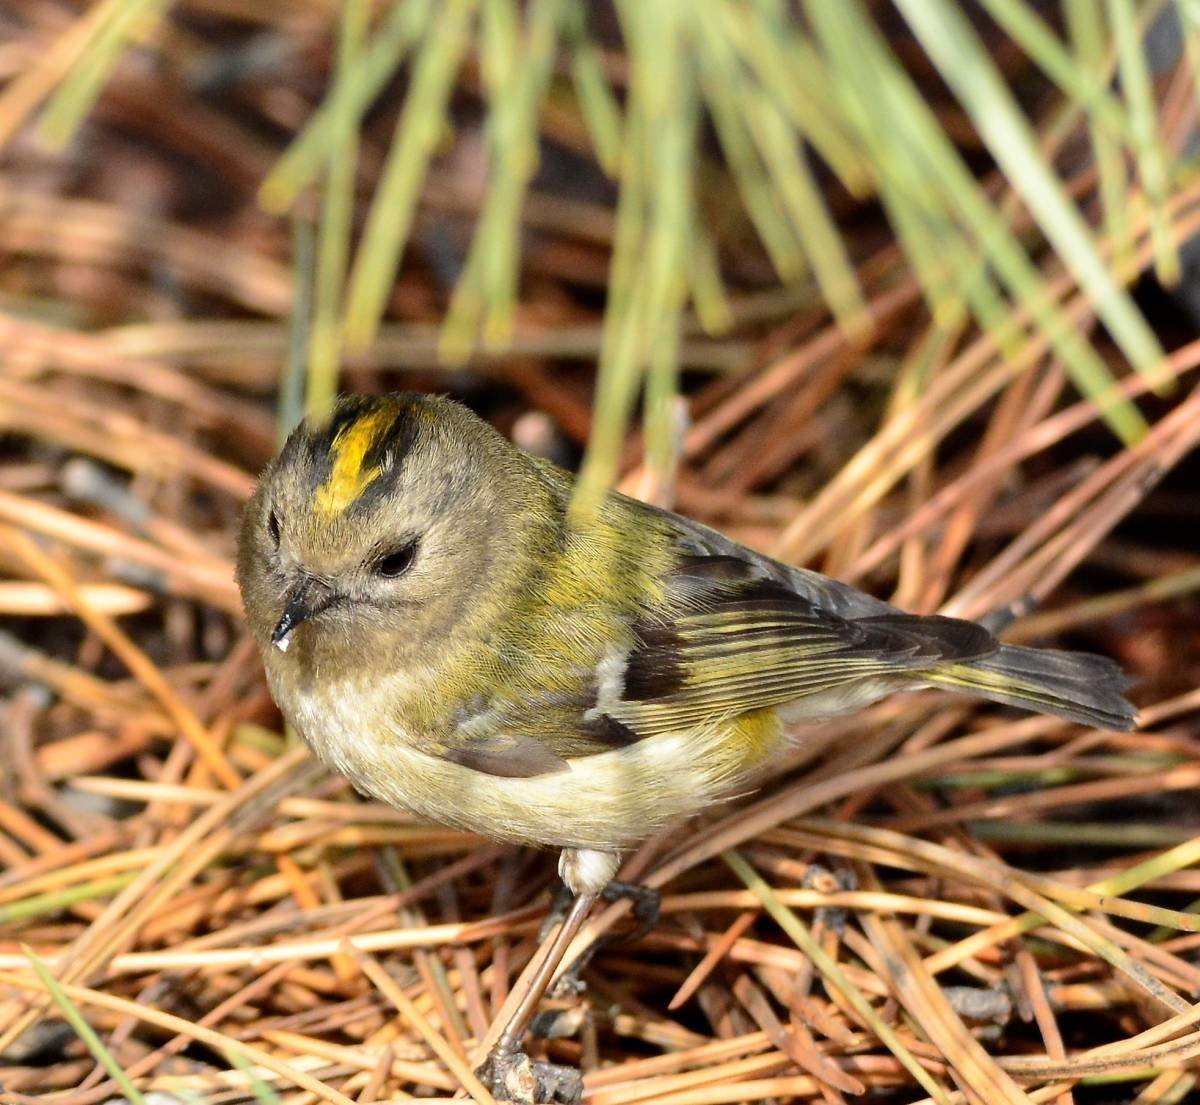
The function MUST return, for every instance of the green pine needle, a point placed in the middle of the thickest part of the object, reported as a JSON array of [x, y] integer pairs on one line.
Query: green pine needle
[[84, 1030]]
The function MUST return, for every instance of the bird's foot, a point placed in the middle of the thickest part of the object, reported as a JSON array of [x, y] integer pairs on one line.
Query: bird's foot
[[513, 1076], [647, 905]]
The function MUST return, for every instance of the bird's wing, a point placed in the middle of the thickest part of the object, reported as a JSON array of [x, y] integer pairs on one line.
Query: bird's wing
[[531, 730], [731, 633], [733, 638], [826, 595]]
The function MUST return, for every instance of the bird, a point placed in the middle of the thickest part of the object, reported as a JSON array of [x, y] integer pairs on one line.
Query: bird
[[440, 627]]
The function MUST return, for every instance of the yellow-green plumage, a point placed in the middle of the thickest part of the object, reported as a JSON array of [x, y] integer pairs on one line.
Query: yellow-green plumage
[[437, 630]]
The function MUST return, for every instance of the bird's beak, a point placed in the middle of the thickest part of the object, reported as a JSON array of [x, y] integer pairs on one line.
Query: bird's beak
[[304, 601]]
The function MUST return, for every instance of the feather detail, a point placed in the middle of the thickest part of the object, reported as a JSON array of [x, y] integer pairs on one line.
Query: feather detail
[[738, 641], [1072, 685], [508, 756]]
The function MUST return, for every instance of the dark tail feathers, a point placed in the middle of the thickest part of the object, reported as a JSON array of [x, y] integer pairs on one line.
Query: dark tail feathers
[[1073, 685]]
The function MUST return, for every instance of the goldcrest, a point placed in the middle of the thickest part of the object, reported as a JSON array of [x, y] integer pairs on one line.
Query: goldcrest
[[438, 630]]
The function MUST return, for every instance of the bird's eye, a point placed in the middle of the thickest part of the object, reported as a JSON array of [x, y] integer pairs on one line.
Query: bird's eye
[[273, 526], [397, 562]]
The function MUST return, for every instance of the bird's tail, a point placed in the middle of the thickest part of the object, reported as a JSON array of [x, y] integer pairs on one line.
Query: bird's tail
[[1073, 685]]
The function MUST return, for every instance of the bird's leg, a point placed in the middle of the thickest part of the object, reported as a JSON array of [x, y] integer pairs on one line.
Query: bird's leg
[[505, 1068], [647, 903], [506, 1071]]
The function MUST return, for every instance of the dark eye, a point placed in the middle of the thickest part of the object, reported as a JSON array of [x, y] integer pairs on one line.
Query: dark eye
[[397, 562], [273, 526]]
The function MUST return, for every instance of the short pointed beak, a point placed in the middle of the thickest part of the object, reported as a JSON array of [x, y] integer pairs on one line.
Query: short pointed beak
[[304, 601]]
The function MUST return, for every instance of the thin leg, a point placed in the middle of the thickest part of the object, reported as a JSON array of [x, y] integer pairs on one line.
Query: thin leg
[[503, 1057], [646, 907], [571, 925]]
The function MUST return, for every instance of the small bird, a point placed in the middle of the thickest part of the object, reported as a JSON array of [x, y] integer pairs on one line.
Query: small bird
[[439, 630]]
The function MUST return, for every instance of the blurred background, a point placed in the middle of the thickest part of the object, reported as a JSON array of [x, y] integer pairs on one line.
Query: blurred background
[[903, 291]]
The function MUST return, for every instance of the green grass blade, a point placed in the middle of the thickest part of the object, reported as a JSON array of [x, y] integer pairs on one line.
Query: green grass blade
[[263, 1093], [1082, 83], [655, 214], [597, 103], [708, 291], [38, 905], [663, 425], [292, 373], [417, 132], [517, 69], [794, 74], [498, 44], [956, 50], [1086, 27], [810, 219], [904, 119], [404, 24], [718, 73], [927, 234], [83, 84], [84, 1030], [337, 217], [1152, 157], [945, 261]]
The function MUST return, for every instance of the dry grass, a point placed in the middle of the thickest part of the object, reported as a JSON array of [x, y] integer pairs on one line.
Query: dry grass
[[936, 901]]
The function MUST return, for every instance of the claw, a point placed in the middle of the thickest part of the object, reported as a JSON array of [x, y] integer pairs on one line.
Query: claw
[[512, 1076], [647, 904]]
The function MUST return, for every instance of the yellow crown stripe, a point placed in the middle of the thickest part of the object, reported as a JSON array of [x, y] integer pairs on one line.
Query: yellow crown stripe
[[348, 479]]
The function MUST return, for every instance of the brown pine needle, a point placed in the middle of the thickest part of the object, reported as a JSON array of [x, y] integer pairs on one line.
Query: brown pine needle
[[441, 1047]]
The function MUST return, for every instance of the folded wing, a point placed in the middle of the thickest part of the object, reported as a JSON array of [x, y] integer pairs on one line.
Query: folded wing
[[731, 640]]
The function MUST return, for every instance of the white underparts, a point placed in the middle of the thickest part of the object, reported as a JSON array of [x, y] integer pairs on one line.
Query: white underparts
[[604, 802]]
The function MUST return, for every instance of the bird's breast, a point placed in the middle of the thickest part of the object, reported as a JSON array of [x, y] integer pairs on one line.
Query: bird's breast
[[606, 801]]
